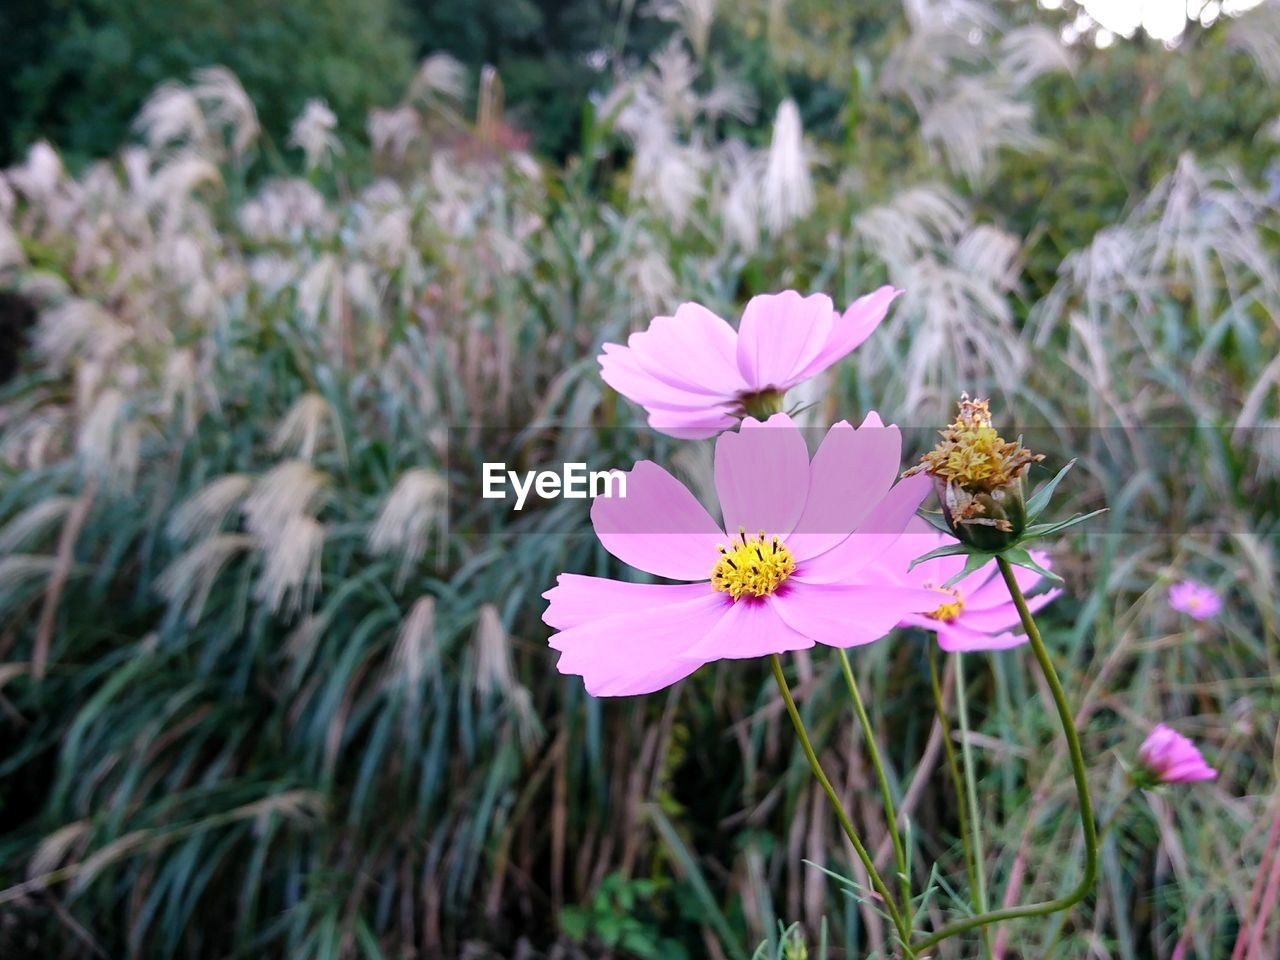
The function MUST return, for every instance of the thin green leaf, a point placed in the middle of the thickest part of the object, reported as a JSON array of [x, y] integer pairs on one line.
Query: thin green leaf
[[1040, 499]]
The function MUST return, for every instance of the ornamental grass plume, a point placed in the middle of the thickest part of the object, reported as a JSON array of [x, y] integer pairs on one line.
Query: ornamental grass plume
[[974, 611], [697, 376], [1195, 600], [1166, 756], [781, 580]]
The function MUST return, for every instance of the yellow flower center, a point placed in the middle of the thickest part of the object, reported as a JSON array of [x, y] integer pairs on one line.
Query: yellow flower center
[[752, 566], [947, 612]]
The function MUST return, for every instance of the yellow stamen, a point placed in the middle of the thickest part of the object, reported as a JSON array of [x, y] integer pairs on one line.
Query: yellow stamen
[[947, 612], [752, 566]]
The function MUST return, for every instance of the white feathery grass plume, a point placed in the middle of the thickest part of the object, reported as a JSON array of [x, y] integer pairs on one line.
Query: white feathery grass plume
[[8, 199], [972, 121], [416, 508], [202, 515], [290, 489], [320, 290], [172, 184], [180, 382], [108, 443], [489, 103], [393, 132], [291, 565], [922, 66], [227, 105], [913, 221], [955, 15], [19, 572], [189, 578], [694, 17], [990, 254], [54, 847], [741, 171], [439, 75], [313, 133], [11, 255], [172, 116], [1032, 51], [728, 97], [494, 670], [415, 649], [787, 191], [40, 174], [649, 274], [667, 174], [31, 523], [284, 209], [1257, 33], [671, 82], [303, 427]]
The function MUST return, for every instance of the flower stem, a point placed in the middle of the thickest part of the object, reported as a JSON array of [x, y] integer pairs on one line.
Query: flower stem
[[873, 752], [904, 932], [954, 768], [971, 795], [1078, 771], [1102, 836]]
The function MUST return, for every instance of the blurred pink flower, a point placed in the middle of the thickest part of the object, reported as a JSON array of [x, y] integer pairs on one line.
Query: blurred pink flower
[[783, 581], [1195, 600], [976, 613], [1169, 757], [697, 376]]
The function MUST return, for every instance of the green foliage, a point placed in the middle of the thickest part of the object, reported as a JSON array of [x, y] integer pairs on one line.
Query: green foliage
[[78, 70], [620, 917]]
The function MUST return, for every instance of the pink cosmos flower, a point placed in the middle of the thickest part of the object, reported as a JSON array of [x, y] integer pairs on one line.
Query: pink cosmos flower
[[1169, 757], [975, 613], [697, 376], [1195, 600], [780, 580]]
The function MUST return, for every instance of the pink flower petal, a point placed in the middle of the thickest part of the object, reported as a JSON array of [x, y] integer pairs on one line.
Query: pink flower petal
[[848, 616], [691, 425], [877, 533], [850, 330], [576, 599], [956, 637], [780, 334], [849, 475], [750, 628], [762, 476], [658, 527], [695, 351], [626, 654], [1004, 616], [621, 369]]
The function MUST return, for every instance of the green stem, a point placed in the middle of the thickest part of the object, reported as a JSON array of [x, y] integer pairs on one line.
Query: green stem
[[904, 932], [971, 795], [1058, 927], [954, 768], [1078, 771], [873, 752]]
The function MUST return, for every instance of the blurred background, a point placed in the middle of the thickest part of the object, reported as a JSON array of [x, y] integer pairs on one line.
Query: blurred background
[[267, 270]]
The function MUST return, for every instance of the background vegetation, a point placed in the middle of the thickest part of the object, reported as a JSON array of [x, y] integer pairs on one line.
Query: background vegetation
[[274, 682]]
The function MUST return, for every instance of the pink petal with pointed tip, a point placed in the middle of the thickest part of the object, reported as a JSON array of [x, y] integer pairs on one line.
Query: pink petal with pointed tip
[[847, 616], [762, 476], [850, 329], [878, 532], [659, 526], [576, 599], [850, 473], [781, 334]]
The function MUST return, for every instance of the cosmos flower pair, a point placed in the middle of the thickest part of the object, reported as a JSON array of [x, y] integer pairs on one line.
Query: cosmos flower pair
[[808, 550]]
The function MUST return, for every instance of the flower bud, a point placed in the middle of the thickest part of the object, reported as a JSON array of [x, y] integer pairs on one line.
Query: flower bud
[[979, 478]]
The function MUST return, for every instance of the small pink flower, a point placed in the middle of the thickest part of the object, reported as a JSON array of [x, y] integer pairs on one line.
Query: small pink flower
[[1169, 757], [1195, 600], [975, 613], [697, 376], [780, 580]]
